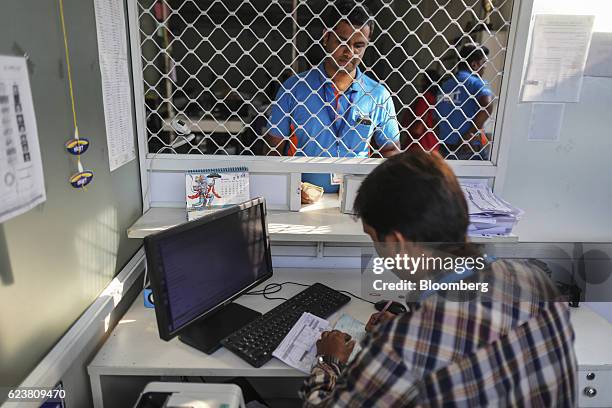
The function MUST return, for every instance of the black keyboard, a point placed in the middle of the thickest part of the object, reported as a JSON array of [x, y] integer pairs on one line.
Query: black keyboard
[[256, 341]]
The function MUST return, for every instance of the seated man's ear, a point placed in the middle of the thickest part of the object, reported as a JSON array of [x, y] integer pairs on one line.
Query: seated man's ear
[[394, 237]]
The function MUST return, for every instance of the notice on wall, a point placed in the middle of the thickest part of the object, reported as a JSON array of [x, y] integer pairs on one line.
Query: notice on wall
[[22, 184], [116, 87], [545, 122], [557, 58], [599, 62]]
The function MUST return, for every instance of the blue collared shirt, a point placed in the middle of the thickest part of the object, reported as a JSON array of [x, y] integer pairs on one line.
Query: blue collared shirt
[[458, 105], [318, 121]]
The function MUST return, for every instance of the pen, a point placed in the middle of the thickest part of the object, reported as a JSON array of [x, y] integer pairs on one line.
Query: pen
[[382, 312], [386, 307]]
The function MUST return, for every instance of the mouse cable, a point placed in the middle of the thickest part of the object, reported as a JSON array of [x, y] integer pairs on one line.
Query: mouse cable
[[272, 288], [356, 297]]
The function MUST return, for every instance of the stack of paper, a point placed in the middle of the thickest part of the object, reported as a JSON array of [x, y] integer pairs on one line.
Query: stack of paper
[[489, 214]]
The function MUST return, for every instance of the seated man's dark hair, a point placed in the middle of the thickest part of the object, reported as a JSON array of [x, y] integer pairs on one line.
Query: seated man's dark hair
[[417, 195], [353, 12]]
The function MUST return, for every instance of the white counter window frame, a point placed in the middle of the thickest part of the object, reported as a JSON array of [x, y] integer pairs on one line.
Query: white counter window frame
[[491, 170]]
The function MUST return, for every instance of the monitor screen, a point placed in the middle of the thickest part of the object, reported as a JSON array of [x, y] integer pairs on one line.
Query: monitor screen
[[198, 266]]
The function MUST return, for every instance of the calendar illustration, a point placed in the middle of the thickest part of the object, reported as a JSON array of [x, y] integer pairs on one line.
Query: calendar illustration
[[210, 189]]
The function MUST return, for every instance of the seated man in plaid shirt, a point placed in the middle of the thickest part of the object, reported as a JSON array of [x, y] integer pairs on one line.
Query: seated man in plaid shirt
[[509, 347]]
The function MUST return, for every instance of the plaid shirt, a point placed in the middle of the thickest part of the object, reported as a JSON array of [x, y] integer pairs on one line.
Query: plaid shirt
[[512, 349]]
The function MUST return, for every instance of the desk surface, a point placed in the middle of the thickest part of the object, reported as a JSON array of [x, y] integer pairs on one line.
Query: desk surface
[[311, 224], [134, 346]]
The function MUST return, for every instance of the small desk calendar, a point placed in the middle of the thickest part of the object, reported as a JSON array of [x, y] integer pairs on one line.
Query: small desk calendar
[[210, 189]]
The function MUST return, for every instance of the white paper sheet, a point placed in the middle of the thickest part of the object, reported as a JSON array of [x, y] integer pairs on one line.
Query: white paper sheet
[[353, 327], [116, 91], [545, 122], [21, 175], [298, 349], [482, 200], [599, 62], [559, 46]]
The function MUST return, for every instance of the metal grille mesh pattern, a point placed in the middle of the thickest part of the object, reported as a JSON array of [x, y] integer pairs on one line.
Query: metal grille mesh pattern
[[217, 67]]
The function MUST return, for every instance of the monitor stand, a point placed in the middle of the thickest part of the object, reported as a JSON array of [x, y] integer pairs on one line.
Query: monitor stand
[[206, 334]]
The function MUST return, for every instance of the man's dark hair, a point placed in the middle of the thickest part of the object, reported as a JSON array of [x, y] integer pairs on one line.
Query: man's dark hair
[[416, 194], [470, 53], [353, 12]]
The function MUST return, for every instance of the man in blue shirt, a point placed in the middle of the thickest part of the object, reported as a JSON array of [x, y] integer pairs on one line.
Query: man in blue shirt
[[334, 109], [464, 105]]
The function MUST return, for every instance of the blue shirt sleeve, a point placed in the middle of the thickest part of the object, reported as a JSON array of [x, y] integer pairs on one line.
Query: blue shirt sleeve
[[480, 87], [387, 129], [279, 123]]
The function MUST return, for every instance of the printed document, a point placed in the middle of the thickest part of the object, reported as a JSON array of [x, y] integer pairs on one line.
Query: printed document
[[557, 58], [22, 184], [353, 328], [298, 349]]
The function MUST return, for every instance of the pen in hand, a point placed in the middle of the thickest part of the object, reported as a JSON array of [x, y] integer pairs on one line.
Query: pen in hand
[[382, 312]]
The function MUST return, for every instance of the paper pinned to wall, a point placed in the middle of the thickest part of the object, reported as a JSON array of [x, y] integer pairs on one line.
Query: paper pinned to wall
[[599, 62], [557, 57], [21, 175], [116, 86], [545, 122]]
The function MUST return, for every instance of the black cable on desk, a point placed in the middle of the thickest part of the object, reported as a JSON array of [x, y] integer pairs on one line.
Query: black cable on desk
[[356, 297], [271, 288]]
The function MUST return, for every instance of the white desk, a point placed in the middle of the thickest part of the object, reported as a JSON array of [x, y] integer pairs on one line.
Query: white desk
[[135, 349], [308, 225]]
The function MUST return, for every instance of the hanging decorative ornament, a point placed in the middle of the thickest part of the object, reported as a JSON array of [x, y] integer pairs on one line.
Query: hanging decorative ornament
[[82, 178], [75, 146]]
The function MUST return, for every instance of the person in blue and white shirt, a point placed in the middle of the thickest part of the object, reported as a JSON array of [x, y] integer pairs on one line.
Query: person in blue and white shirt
[[334, 109], [464, 105]]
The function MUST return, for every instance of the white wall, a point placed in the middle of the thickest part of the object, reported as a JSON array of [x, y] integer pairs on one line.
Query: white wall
[[565, 187]]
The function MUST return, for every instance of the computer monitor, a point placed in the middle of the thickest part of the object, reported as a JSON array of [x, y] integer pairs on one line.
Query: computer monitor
[[196, 270]]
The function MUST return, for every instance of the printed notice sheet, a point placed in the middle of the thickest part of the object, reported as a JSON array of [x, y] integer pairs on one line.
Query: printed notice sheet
[[21, 175], [298, 349], [116, 88], [557, 57]]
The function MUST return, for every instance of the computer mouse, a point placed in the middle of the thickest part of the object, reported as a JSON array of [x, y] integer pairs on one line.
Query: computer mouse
[[394, 307]]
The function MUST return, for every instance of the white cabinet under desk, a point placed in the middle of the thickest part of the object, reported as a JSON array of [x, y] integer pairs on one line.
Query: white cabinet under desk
[[134, 348]]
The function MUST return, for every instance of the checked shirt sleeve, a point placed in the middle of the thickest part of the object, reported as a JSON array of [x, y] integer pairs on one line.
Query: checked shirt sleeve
[[377, 377]]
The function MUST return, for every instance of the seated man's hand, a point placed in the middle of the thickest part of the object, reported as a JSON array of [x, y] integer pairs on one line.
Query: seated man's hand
[[335, 344], [378, 318]]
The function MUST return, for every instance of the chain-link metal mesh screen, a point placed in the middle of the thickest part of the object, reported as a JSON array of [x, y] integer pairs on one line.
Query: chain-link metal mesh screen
[[214, 73]]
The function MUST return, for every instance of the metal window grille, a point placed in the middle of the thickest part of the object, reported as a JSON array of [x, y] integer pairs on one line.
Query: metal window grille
[[217, 66]]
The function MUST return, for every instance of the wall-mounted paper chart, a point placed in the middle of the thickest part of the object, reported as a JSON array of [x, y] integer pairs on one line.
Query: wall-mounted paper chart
[[559, 46], [116, 88], [22, 184]]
